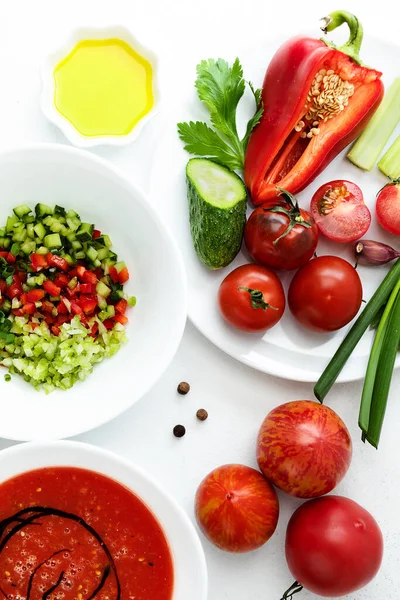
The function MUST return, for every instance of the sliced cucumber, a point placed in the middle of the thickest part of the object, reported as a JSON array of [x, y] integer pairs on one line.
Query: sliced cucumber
[[11, 221], [40, 230], [103, 290], [41, 210], [52, 240], [91, 253], [217, 211], [85, 232]]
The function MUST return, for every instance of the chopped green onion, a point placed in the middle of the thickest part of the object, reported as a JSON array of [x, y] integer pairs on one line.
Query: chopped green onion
[[390, 162], [370, 380], [384, 375], [366, 150], [356, 332], [7, 377]]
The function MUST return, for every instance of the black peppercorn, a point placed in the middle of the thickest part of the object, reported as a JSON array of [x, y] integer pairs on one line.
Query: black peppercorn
[[202, 414], [179, 431], [183, 388]]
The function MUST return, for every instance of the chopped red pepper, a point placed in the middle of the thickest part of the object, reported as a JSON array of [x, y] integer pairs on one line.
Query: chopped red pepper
[[87, 304], [23, 298], [121, 319], [57, 261], [109, 324], [22, 275], [51, 288], [49, 319], [35, 295], [3, 286], [75, 308], [29, 308], [47, 306], [14, 290], [62, 280], [56, 330], [112, 271], [121, 306], [99, 272], [38, 261], [317, 99], [90, 277], [123, 275], [94, 330], [62, 308], [80, 271], [4, 253], [96, 234], [11, 258], [87, 288], [18, 312]]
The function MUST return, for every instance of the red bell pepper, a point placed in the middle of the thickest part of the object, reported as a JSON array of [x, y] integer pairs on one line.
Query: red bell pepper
[[62, 280], [123, 275], [317, 99], [29, 308], [87, 304], [3, 286], [121, 319], [113, 274], [57, 261], [38, 261], [51, 288], [121, 306], [35, 295], [90, 277]]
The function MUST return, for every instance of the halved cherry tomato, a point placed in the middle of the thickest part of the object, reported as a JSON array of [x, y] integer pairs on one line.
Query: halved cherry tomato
[[388, 207], [38, 261], [123, 275], [339, 211], [51, 288], [251, 298], [57, 261], [29, 308], [121, 306], [35, 295], [121, 319]]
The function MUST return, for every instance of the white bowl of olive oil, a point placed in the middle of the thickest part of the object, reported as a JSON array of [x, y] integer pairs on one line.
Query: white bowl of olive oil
[[100, 87]]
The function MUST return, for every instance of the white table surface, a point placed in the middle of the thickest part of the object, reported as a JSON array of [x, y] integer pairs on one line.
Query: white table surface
[[236, 396]]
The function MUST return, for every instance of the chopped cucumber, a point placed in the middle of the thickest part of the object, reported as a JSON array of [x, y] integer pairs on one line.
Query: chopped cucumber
[[85, 232], [22, 210], [59, 210], [40, 230], [42, 210], [28, 247], [120, 265], [76, 245], [91, 253], [102, 253], [30, 231], [52, 241], [42, 250], [11, 221], [104, 240], [103, 290]]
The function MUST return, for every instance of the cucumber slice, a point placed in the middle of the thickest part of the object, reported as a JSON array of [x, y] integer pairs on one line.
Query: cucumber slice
[[91, 253], [102, 289], [28, 247], [52, 240], [21, 210], [102, 253], [217, 211], [104, 240], [30, 230], [11, 221]]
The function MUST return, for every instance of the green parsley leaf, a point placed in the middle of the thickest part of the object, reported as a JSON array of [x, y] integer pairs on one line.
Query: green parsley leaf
[[220, 87], [201, 140]]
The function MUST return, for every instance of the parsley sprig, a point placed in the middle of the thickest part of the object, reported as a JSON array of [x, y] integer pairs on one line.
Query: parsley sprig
[[220, 87]]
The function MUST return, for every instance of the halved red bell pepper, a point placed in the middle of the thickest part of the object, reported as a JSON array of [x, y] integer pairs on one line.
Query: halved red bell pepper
[[317, 99]]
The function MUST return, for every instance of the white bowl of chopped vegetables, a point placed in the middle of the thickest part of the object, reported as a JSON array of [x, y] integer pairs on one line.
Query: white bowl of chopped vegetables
[[92, 293]]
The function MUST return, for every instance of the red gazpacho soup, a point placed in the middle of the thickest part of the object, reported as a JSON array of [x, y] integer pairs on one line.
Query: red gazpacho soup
[[73, 534]]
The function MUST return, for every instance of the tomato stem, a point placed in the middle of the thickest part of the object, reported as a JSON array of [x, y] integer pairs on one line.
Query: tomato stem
[[295, 588], [257, 298], [293, 213]]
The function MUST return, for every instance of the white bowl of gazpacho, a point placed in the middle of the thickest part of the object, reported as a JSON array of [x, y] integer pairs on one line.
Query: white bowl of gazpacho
[[80, 522]]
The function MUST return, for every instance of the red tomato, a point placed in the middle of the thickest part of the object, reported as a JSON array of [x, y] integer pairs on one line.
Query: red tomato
[[51, 288], [333, 546], [35, 295], [57, 261], [113, 274], [121, 306], [388, 207], [121, 319], [339, 210], [236, 508], [325, 294], [252, 298], [38, 261], [123, 275], [281, 237], [304, 448], [88, 277]]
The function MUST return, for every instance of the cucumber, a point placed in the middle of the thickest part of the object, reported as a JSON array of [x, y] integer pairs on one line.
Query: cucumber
[[217, 211]]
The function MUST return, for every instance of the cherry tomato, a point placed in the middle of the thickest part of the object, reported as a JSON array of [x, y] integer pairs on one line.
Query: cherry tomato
[[236, 508], [388, 207], [283, 236], [333, 546], [251, 298], [339, 210], [304, 448], [325, 294]]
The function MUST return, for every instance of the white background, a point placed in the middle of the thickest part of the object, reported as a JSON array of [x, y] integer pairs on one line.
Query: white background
[[236, 397]]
